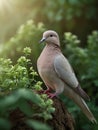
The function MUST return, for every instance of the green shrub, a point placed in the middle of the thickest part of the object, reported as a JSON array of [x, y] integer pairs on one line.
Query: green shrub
[[28, 35], [84, 60], [18, 85], [85, 64]]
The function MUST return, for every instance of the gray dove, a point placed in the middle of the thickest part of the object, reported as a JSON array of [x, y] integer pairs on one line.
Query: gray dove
[[58, 75]]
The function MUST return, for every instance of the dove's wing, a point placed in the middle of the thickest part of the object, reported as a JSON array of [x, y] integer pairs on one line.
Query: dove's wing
[[65, 72]]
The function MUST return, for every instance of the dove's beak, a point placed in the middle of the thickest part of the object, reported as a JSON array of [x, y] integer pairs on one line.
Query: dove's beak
[[42, 40]]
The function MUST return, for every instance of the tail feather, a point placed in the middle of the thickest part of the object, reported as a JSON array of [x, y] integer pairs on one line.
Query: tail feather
[[80, 102], [82, 93], [87, 111]]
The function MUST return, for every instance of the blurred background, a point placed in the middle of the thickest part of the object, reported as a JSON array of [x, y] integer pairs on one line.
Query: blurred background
[[79, 17], [22, 23]]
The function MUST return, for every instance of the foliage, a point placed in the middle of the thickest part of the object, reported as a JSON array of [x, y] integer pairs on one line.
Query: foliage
[[84, 60], [18, 85], [27, 35], [85, 64], [61, 15]]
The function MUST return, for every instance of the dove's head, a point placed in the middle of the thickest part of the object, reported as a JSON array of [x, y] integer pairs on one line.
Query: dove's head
[[50, 37]]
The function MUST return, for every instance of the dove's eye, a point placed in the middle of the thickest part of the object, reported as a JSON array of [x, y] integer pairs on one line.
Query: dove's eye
[[51, 35]]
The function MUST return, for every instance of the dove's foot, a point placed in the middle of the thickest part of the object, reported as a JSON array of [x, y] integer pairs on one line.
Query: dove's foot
[[51, 95], [44, 91], [47, 91]]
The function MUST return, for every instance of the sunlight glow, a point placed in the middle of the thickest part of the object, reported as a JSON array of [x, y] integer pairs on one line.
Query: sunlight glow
[[5, 4]]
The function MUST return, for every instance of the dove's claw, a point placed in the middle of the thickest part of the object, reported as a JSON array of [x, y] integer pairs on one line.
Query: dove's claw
[[51, 95]]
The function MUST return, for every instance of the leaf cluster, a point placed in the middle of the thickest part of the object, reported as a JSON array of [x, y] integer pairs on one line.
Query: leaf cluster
[[18, 86], [85, 64], [28, 35]]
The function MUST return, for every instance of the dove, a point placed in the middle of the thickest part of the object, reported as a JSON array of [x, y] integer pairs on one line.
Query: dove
[[58, 75]]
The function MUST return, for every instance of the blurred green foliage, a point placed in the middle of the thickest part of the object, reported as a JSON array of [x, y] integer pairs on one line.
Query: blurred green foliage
[[84, 60], [18, 85], [28, 34], [85, 64], [76, 16]]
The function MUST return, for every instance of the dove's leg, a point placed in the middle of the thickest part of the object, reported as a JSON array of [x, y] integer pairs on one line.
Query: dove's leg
[[52, 95], [47, 90], [44, 91], [58, 90]]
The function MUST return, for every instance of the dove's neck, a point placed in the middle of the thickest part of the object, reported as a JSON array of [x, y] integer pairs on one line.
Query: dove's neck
[[53, 46]]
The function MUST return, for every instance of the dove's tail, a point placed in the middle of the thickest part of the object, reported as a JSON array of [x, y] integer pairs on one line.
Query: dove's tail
[[80, 102]]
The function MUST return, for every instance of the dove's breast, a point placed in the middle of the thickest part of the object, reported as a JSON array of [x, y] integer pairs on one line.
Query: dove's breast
[[45, 65]]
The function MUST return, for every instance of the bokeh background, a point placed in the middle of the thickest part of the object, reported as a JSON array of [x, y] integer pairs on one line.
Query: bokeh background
[[22, 23]]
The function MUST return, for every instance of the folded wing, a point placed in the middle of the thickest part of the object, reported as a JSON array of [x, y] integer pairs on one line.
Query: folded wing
[[65, 72]]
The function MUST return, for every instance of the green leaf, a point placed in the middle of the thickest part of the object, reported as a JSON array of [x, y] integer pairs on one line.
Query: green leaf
[[4, 124], [25, 107], [38, 125], [29, 95]]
